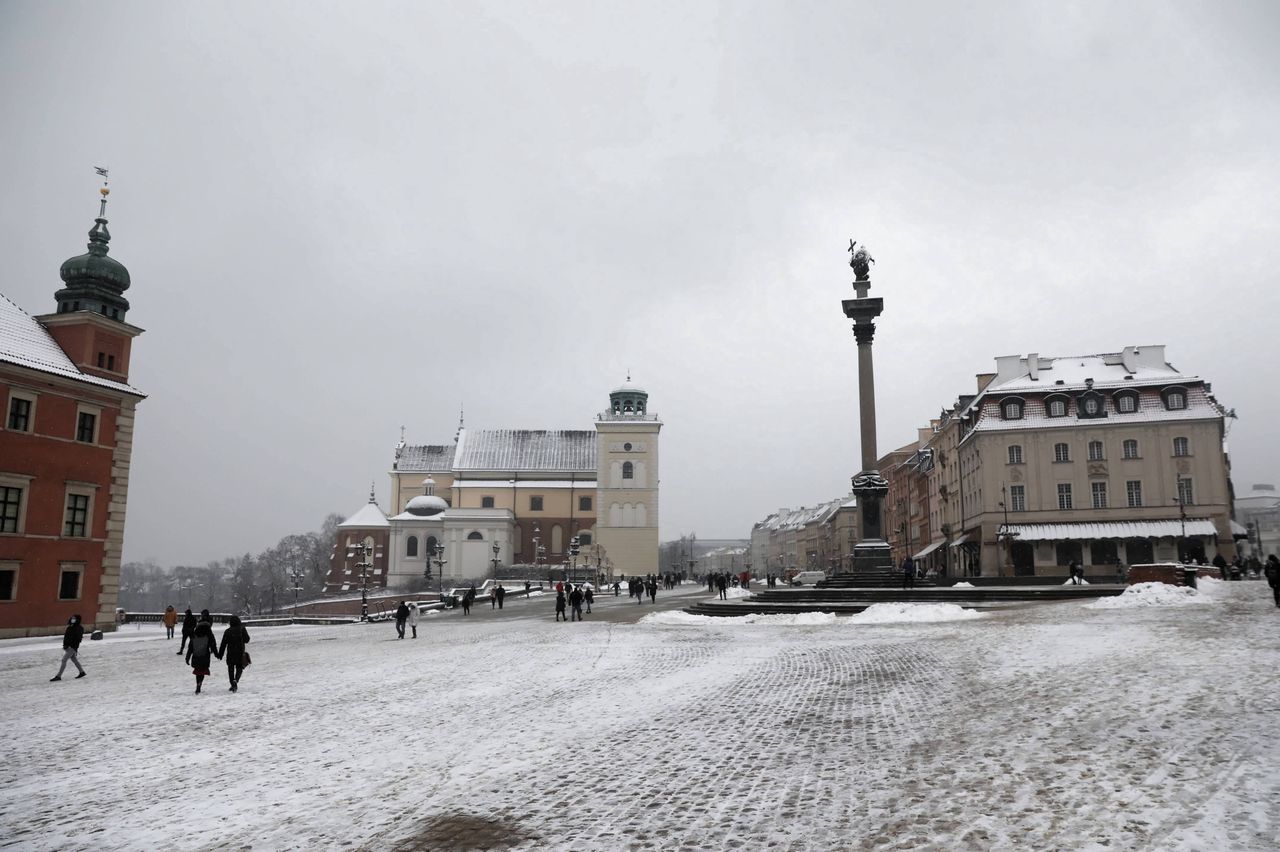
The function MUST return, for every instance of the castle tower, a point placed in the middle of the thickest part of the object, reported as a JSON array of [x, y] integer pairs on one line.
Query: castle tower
[[627, 479]]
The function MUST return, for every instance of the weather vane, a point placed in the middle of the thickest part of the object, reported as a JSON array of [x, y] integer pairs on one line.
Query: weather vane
[[105, 190]]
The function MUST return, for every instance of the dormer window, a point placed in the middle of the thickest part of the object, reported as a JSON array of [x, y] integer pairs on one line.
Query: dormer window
[[1056, 406], [1011, 409], [1175, 399], [1090, 405], [1126, 402]]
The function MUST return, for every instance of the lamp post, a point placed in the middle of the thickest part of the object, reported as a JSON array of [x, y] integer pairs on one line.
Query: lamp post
[[437, 556], [574, 549], [296, 576], [1004, 534], [364, 550], [1182, 540], [497, 549]]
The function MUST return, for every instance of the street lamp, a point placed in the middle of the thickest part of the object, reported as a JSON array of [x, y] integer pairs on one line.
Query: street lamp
[[497, 549], [574, 549], [1182, 516], [1004, 534], [296, 576], [364, 550], [437, 556]]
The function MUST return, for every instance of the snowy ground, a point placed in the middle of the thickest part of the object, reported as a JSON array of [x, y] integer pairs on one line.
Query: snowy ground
[[1047, 727]]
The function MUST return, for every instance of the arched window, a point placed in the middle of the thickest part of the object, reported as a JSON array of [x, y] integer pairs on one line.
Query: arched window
[[411, 546], [1181, 447], [486, 502], [1131, 449], [1057, 406], [1095, 451], [474, 536], [1175, 399], [628, 470], [1011, 409], [431, 545]]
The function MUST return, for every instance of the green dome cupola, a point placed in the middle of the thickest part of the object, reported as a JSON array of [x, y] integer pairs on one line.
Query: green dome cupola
[[628, 400], [95, 282]]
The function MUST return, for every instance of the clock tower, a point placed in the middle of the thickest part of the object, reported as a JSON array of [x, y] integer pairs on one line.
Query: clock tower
[[627, 499]]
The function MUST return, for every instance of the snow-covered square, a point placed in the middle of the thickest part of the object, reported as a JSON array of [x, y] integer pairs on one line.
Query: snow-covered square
[[1065, 726]]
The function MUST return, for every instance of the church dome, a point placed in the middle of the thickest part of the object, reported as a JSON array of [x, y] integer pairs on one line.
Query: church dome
[[426, 506], [95, 266], [628, 400]]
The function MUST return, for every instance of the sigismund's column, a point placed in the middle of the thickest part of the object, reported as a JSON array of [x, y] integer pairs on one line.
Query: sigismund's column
[[870, 488]]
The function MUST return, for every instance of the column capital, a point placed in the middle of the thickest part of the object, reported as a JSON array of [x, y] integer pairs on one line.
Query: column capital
[[864, 332]]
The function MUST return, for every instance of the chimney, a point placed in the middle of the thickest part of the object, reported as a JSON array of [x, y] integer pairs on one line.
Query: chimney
[[1033, 366], [1129, 357], [984, 379], [1008, 367]]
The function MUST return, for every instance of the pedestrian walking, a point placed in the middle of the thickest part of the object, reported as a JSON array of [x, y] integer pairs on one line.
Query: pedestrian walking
[[170, 620], [560, 605], [468, 598], [501, 594], [232, 650], [493, 599], [402, 615], [908, 573], [413, 618], [1272, 573], [200, 651], [617, 588], [575, 604], [588, 596], [71, 648], [722, 586], [188, 629], [528, 587], [653, 590]]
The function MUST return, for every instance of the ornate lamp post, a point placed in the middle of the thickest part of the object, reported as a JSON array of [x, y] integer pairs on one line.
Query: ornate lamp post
[[869, 486], [437, 556], [497, 549], [1006, 535], [574, 549], [364, 550], [296, 576]]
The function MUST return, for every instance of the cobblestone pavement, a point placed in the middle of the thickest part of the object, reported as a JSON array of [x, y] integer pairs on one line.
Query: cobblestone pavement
[[1045, 727]]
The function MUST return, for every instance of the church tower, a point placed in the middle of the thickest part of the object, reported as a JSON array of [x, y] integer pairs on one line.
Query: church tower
[[89, 323], [627, 481]]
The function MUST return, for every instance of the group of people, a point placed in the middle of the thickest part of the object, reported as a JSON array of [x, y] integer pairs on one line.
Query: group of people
[[199, 646], [638, 588], [407, 613], [574, 597]]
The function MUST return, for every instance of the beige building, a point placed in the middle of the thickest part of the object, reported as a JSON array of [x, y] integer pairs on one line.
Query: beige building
[[1099, 459]]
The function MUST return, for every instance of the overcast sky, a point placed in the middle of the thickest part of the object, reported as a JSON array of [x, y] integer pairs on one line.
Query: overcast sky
[[342, 218]]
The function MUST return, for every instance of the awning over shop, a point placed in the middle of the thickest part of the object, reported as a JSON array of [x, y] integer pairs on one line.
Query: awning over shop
[[930, 549], [1238, 531], [1113, 529], [961, 540]]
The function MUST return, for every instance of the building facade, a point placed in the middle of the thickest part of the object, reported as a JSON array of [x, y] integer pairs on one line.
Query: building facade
[[505, 497], [66, 443]]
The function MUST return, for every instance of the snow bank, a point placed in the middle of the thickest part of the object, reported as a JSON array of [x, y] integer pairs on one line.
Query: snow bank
[[684, 618], [962, 585], [1070, 582], [899, 613], [1153, 594], [734, 592]]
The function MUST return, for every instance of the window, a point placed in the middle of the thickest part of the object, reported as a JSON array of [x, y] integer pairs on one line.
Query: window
[[1099, 490], [86, 427], [1011, 409], [10, 509], [102, 359], [9, 582], [1067, 552], [111, 359], [584, 538], [77, 518], [69, 584], [1181, 447], [1095, 451], [627, 447], [21, 409], [1185, 496], [1015, 454], [411, 546], [1057, 407], [1064, 495], [1090, 405], [628, 470], [1130, 449], [1017, 498], [486, 502], [535, 504], [1133, 492], [1126, 403], [1061, 453], [584, 504], [474, 536], [1175, 399]]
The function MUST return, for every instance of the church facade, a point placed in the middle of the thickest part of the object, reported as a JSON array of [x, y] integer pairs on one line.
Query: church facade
[[500, 497]]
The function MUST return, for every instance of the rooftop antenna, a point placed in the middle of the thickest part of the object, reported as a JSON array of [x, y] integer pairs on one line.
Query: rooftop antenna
[[372, 499], [458, 434]]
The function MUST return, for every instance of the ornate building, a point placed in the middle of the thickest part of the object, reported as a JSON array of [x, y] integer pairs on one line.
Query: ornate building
[[514, 496], [66, 440]]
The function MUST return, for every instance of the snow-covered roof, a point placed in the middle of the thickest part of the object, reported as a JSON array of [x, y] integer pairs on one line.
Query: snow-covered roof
[[1151, 408], [527, 450], [368, 516], [426, 458], [1113, 529], [1135, 365], [27, 343]]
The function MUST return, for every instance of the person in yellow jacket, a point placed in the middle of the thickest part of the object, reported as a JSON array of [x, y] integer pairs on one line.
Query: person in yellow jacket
[[170, 619]]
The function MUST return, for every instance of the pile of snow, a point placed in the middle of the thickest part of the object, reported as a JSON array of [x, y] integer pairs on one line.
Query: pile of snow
[[801, 619], [1070, 582], [734, 592], [962, 585], [1153, 594], [900, 613]]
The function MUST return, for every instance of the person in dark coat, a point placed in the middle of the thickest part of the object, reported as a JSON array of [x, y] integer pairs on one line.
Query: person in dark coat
[[501, 594], [1077, 574], [908, 573], [1272, 573], [575, 604], [71, 647], [201, 650], [232, 649], [560, 604], [468, 598], [188, 630], [402, 615], [722, 586], [588, 597]]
